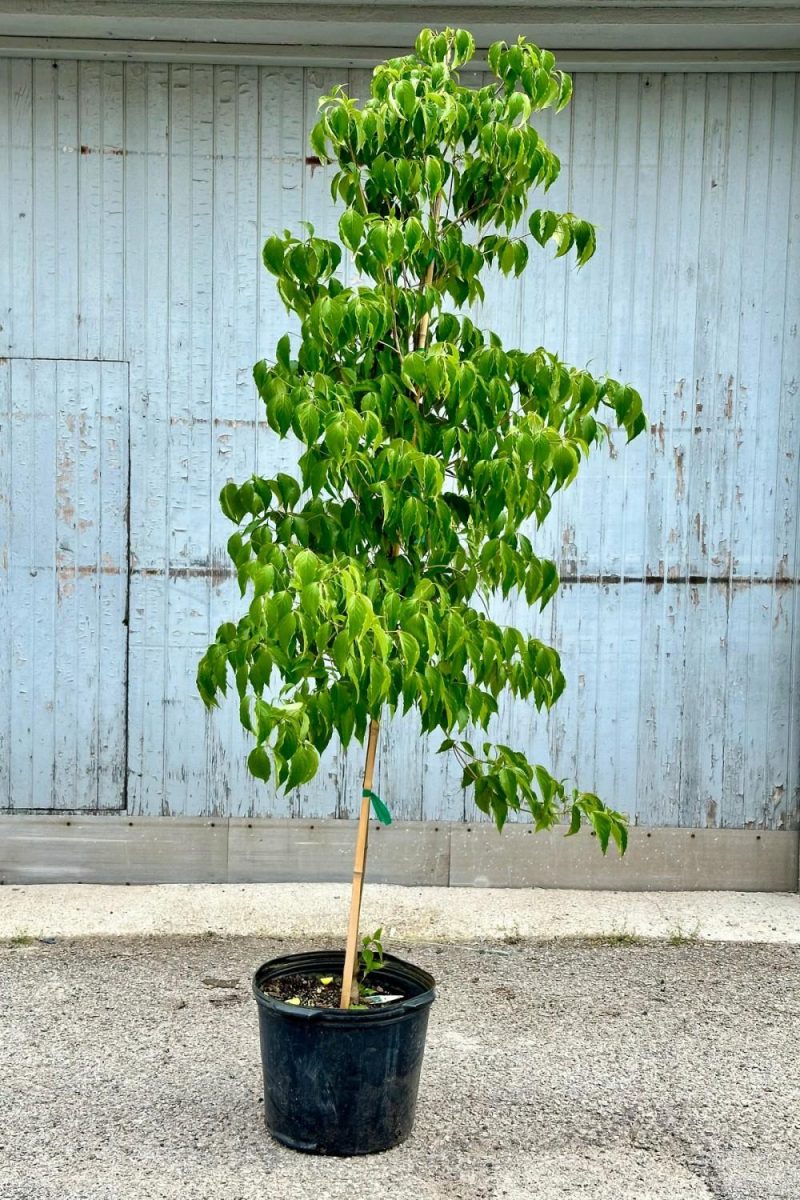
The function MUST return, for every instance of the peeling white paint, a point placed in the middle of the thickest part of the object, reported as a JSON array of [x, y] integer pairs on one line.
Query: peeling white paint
[[134, 200]]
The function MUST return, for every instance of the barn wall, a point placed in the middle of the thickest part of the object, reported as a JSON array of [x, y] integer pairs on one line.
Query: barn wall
[[134, 199]]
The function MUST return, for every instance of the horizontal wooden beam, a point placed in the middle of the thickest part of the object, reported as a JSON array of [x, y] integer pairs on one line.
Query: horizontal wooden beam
[[243, 53], [123, 850]]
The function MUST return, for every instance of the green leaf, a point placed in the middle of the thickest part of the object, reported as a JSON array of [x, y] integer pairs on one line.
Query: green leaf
[[543, 225], [565, 463], [547, 785], [434, 175], [308, 419], [409, 648], [229, 502], [260, 670], [340, 651], [307, 567], [273, 255], [318, 140], [351, 228], [282, 351], [413, 234], [381, 811], [465, 47], [336, 438], [258, 763], [564, 92], [619, 834], [602, 827], [311, 598], [378, 242], [305, 762], [359, 611], [406, 97], [585, 241], [379, 681], [237, 549], [414, 369], [285, 630]]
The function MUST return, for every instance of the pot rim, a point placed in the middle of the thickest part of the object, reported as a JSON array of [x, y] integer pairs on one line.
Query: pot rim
[[312, 960]]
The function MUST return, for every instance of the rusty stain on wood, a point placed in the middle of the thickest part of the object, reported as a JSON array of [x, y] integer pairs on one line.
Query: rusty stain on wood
[[674, 576], [117, 151], [215, 573], [679, 481]]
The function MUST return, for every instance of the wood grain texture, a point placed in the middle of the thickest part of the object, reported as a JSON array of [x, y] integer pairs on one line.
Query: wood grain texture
[[64, 547], [134, 201], [126, 850], [659, 859], [113, 850]]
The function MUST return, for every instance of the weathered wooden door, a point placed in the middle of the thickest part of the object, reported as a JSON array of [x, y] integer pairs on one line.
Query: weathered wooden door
[[64, 584]]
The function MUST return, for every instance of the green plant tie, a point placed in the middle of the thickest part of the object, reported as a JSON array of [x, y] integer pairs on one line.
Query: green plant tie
[[381, 811]]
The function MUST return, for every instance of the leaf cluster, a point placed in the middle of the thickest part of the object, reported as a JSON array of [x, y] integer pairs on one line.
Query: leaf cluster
[[429, 452], [371, 954]]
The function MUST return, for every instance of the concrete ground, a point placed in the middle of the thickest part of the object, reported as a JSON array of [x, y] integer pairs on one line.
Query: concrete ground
[[610, 1068], [414, 914]]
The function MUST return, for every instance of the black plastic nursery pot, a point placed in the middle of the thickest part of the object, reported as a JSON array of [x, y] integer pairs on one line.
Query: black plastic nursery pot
[[337, 1081]]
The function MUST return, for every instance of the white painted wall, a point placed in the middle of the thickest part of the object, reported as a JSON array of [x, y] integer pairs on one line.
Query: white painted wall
[[134, 200], [64, 593]]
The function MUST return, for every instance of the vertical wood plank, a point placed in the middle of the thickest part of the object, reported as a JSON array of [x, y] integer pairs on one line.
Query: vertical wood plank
[[91, 215], [190, 410], [66, 201], [63, 541], [789, 477], [111, 488], [6, 219], [148, 312], [45, 242], [75, 655], [33, 550], [20, 249], [233, 432], [7, 717]]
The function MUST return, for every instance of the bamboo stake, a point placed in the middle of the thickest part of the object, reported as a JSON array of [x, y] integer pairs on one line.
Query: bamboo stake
[[349, 982], [421, 338]]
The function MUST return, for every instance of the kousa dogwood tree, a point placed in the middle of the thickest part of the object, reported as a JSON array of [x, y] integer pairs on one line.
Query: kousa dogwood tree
[[430, 451]]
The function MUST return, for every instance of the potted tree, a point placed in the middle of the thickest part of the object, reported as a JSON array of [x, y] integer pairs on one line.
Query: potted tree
[[427, 449]]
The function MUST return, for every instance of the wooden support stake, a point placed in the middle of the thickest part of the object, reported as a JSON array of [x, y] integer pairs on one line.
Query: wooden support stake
[[421, 339], [349, 982]]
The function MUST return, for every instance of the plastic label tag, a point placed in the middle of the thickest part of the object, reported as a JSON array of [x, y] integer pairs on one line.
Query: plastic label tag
[[381, 811]]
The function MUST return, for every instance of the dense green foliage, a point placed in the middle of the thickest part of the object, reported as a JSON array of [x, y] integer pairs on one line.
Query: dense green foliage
[[427, 445]]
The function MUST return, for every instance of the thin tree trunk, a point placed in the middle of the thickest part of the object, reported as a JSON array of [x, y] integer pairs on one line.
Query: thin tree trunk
[[349, 982]]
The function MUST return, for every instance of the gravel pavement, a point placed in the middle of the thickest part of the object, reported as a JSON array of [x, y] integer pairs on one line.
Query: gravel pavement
[[563, 1070]]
